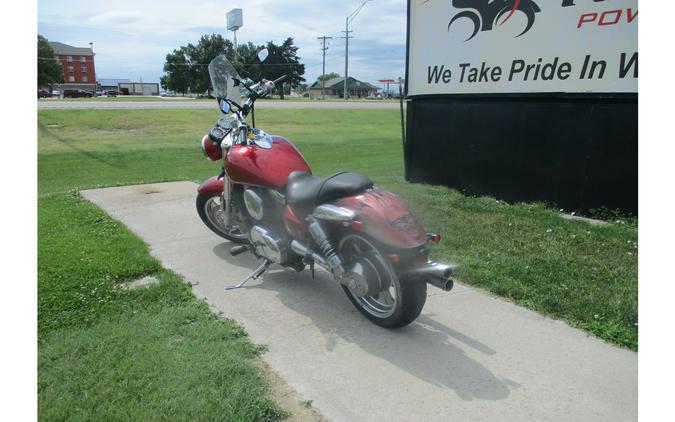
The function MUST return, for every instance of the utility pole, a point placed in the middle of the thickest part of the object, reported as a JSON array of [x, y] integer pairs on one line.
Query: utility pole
[[349, 19], [346, 37], [323, 74]]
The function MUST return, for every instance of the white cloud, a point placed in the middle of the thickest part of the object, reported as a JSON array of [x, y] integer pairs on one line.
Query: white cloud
[[123, 17]]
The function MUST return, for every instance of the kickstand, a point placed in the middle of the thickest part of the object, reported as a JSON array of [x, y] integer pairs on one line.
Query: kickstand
[[255, 274]]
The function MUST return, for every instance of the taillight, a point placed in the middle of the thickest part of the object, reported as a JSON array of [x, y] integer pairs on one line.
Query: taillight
[[211, 151]]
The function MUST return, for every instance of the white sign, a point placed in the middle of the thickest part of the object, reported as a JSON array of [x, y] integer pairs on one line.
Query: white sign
[[522, 46], [235, 19]]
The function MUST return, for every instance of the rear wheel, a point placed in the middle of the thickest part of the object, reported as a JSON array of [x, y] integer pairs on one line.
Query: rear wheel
[[211, 212], [397, 305]]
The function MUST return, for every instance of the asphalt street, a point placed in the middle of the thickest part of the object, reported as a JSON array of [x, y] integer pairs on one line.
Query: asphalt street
[[468, 357], [205, 104]]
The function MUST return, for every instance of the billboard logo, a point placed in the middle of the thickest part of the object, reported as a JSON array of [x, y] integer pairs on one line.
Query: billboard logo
[[485, 14]]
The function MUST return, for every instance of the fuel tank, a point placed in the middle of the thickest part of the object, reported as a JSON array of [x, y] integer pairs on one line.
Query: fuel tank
[[265, 167]]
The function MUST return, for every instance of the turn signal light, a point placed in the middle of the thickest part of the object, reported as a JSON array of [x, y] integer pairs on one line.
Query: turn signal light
[[434, 237], [211, 151]]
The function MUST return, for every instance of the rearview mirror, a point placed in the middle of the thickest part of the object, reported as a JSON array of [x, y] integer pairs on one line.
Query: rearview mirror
[[224, 105], [262, 54]]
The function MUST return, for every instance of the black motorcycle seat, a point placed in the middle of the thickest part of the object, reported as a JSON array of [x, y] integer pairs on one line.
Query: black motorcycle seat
[[304, 192]]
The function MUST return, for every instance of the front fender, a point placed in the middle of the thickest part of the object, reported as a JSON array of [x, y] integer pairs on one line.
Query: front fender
[[211, 187], [386, 219]]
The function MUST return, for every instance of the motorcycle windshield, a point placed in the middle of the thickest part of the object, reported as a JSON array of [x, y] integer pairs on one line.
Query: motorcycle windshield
[[222, 75]]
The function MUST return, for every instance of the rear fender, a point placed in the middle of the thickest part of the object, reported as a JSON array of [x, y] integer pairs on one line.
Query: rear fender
[[386, 219], [211, 187]]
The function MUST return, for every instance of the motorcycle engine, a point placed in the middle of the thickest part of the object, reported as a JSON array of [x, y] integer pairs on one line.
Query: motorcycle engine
[[268, 245], [254, 204], [268, 234]]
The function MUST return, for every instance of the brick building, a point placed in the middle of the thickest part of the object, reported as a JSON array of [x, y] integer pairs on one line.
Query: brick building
[[78, 66]]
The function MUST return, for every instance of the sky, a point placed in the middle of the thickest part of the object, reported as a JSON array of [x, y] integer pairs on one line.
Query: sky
[[132, 37]]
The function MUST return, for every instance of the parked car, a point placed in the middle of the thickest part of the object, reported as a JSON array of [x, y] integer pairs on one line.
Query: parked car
[[107, 93], [77, 93], [43, 93]]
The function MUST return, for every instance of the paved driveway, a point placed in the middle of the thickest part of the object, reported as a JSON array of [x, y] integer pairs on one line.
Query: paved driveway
[[468, 357]]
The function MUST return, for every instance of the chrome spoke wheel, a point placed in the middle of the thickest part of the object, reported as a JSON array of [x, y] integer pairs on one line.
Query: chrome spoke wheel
[[214, 213], [383, 304]]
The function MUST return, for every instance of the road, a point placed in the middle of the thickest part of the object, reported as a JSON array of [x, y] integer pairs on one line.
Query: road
[[468, 357], [204, 104]]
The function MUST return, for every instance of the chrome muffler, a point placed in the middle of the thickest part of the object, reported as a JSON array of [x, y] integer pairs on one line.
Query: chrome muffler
[[436, 274]]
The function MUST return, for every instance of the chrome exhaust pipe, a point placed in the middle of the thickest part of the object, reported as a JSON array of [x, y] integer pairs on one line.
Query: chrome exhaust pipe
[[436, 274], [445, 285]]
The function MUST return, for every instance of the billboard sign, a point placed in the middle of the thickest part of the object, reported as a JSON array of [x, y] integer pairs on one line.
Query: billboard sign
[[522, 46], [235, 19]]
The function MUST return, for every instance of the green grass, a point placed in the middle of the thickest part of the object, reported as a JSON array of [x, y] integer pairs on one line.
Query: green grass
[[586, 275], [107, 353], [126, 98]]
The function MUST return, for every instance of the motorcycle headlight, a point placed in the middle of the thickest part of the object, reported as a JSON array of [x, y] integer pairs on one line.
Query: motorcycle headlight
[[211, 151]]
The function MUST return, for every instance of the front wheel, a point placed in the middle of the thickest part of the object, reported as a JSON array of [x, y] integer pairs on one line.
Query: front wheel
[[396, 306], [211, 212]]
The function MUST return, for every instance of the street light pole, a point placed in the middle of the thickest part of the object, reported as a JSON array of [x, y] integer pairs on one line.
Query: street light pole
[[349, 19]]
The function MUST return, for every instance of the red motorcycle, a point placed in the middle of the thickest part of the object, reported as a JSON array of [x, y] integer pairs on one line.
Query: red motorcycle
[[267, 200]]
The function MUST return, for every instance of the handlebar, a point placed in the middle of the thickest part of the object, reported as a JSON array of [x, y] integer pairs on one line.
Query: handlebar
[[280, 79]]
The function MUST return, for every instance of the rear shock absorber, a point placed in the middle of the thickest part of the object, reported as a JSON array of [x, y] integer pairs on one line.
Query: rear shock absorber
[[326, 247]]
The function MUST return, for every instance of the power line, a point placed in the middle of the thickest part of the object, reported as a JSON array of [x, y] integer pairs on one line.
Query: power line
[[349, 19]]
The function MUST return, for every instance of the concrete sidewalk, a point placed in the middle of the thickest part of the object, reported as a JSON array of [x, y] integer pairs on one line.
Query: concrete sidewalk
[[468, 357]]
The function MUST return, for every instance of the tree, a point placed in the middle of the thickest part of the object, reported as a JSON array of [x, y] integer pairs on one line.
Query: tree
[[49, 69], [246, 61], [283, 60], [178, 72], [187, 67], [328, 76], [208, 48]]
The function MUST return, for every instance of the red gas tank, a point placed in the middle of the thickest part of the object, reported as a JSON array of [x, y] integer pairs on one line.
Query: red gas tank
[[266, 167]]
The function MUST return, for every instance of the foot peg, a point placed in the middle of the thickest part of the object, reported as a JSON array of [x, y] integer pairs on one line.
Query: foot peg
[[237, 250], [254, 275]]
